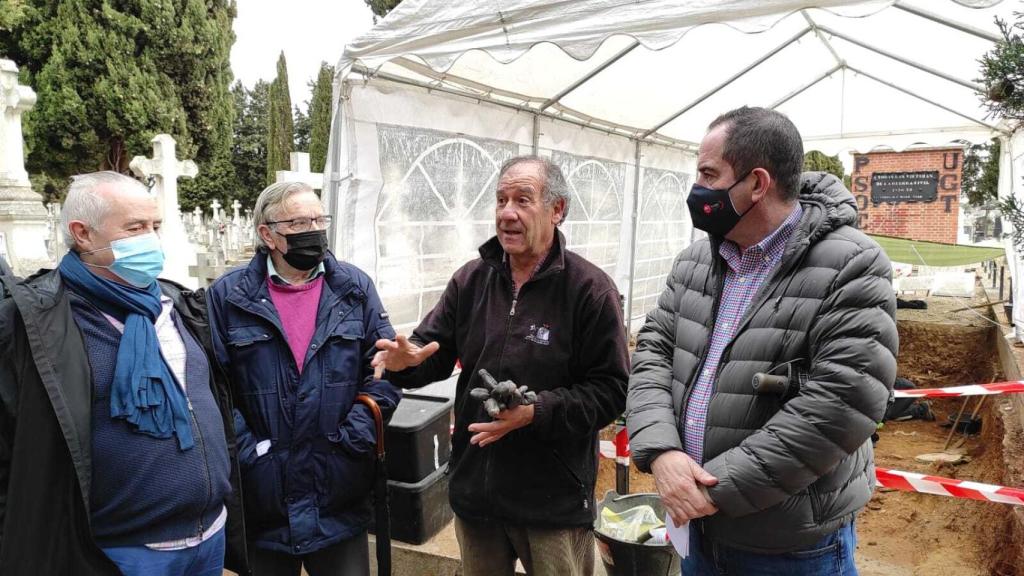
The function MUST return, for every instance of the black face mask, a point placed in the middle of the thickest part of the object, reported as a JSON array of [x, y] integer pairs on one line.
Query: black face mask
[[711, 209], [306, 249]]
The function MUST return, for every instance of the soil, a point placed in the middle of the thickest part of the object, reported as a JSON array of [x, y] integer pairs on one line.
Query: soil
[[909, 534]]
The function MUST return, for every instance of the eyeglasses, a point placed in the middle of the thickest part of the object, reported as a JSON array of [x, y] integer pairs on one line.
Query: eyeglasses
[[304, 224]]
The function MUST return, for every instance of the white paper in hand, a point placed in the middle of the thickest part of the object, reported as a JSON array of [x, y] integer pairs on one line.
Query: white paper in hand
[[679, 536]]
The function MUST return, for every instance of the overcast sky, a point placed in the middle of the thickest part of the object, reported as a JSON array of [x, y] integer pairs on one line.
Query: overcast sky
[[309, 32]]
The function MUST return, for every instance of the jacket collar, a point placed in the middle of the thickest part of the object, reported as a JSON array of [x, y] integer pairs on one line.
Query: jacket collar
[[493, 254]]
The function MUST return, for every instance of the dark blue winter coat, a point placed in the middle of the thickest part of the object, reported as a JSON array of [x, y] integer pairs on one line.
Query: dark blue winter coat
[[311, 489]]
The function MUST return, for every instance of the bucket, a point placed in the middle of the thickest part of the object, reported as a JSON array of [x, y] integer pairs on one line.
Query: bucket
[[623, 558]]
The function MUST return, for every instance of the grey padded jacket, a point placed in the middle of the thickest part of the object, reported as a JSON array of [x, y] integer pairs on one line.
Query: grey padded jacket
[[789, 471]]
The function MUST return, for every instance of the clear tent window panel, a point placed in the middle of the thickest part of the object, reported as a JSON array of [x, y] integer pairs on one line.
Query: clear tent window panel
[[436, 207]]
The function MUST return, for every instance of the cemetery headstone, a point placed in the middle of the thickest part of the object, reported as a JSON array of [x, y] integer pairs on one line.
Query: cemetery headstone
[[22, 214], [165, 168]]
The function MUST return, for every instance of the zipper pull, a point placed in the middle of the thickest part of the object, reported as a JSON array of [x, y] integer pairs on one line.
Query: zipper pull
[[512, 312], [189, 400]]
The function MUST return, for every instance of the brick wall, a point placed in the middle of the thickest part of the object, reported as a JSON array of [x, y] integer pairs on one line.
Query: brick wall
[[934, 220]]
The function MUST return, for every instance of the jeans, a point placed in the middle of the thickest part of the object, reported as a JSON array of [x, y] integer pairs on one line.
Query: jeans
[[206, 559], [830, 556]]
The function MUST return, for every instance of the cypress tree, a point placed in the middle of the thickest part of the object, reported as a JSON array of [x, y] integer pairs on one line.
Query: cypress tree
[[111, 74], [280, 126], [320, 118]]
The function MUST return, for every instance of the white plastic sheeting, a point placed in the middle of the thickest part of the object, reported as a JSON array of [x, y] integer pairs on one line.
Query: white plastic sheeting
[[432, 101]]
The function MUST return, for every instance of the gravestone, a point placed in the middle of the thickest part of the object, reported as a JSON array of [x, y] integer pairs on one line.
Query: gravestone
[[299, 162], [22, 214], [165, 169]]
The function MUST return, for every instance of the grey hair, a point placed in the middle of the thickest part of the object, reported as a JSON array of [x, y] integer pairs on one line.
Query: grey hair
[[268, 205], [83, 204], [555, 186]]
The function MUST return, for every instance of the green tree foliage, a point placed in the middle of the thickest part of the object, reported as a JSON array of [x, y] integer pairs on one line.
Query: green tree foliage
[[111, 74], [1002, 71], [249, 148], [280, 125], [980, 182], [320, 118], [302, 129], [815, 161], [382, 7]]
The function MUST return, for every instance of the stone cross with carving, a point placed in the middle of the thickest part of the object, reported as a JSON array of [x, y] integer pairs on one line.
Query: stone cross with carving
[[15, 100], [164, 169]]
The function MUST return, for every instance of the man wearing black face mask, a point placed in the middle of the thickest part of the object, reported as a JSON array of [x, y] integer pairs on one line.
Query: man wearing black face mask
[[295, 332], [784, 284]]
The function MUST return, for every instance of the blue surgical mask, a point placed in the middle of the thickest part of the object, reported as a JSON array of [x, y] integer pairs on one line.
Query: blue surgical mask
[[138, 260]]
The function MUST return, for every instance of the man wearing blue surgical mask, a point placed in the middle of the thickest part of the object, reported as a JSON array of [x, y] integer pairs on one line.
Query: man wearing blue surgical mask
[[768, 479], [114, 433]]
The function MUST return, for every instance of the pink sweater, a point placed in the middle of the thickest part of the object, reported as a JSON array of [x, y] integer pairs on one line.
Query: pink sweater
[[297, 307]]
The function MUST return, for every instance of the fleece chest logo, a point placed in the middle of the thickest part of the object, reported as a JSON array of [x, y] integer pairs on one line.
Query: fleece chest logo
[[540, 334]]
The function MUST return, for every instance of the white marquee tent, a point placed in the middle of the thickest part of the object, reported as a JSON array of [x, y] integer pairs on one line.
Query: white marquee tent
[[430, 102]]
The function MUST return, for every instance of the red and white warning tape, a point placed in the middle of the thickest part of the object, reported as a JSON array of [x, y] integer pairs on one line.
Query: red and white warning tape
[[912, 482], [617, 449], [907, 481], [968, 390]]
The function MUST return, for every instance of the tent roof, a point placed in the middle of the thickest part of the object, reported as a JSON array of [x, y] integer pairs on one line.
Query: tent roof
[[852, 75]]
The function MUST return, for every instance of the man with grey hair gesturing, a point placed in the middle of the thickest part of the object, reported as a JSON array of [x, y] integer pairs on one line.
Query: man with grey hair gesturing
[[532, 312], [114, 433], [768, 475], [295, 331]]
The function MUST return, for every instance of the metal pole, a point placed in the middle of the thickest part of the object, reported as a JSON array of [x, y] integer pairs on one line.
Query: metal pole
[[558, 97], [929, 101], [901, 59], [634, 218], [730, 80], [1000, 282], [536, 134], [954, 25]]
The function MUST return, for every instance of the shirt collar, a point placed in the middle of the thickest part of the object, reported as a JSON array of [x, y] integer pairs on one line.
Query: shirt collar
[[280, 280], [770, 248]]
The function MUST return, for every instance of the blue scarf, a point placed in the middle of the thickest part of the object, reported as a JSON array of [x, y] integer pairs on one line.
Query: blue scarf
[[144, 391]]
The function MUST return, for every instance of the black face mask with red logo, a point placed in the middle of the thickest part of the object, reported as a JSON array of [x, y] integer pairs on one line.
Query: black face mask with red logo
[[711, 209]]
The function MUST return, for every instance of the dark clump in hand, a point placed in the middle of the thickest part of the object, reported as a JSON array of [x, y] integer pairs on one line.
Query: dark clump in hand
[[498, 396]]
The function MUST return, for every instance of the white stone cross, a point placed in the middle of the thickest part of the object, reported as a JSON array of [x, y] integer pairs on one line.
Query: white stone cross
[[23, 232], [299, 162], [15, 100], [165, 169], [235, 207], [215, 206]]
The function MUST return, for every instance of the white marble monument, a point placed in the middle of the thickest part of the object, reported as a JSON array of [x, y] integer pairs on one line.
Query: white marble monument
[[23, 225], [165, 167], [299, 172]]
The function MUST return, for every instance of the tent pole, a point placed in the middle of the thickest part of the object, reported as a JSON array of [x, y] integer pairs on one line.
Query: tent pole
[[558, 97], [615, 129], [634, 219], [801, 89], [817, 32], [946, 22], [730, 80], [901, 59], [923, 99], [536, 134]]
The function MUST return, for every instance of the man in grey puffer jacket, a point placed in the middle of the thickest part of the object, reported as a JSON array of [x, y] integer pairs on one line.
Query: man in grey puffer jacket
[[784, 284]]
